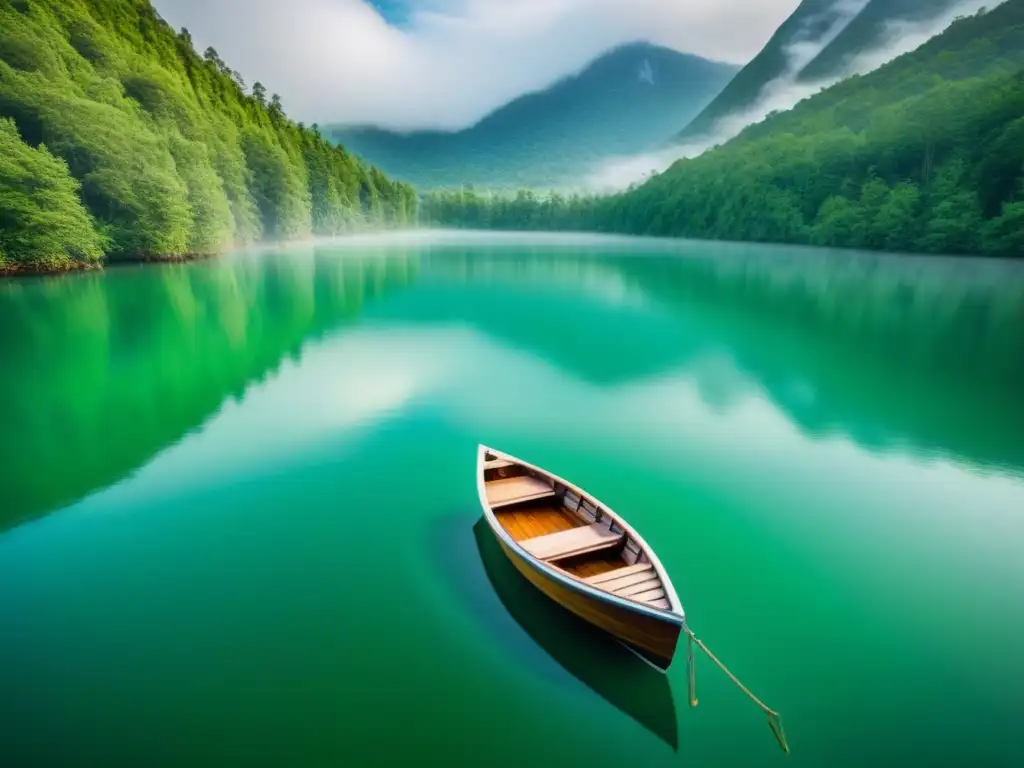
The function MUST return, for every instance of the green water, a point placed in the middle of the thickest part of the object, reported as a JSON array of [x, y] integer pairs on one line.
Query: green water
[[237, 506]]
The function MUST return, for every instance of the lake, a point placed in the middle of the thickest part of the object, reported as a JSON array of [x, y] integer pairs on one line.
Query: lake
[[239, 514]]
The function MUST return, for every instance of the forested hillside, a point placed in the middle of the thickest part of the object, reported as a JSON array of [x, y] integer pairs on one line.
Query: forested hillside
[[629, 100], [925, 154], [118, 141]]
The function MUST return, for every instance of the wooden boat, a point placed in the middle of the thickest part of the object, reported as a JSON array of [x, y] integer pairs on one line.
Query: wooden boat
[[580, 554], [590, 655]]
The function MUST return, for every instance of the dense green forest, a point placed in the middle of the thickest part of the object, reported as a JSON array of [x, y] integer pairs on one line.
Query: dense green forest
[[924, 154], [119, 141]]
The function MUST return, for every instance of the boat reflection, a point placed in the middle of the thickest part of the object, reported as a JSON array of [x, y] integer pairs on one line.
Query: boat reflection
[[597, 660]]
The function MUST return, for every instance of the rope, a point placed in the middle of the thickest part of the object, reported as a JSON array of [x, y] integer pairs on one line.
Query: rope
[[774, 719]]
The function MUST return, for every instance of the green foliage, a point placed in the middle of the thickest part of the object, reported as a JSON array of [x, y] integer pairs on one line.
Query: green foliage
[[925, 154], [279, 186], [165, 153], [42, 221]]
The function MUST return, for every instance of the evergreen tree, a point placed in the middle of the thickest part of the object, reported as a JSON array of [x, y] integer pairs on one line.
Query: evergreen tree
[[145, 149]]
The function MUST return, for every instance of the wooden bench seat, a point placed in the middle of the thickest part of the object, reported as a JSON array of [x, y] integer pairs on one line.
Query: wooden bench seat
[[512, 490], [577, 541], [498, 464], [637, 582], [618, 573]]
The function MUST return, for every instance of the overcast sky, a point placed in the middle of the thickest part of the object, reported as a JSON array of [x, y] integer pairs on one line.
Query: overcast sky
[[446, 63]]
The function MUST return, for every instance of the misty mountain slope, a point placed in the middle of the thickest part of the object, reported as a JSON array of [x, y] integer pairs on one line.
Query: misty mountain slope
[[925, 153], [823, 41], [874, 27], [811, 26], [627, 101]]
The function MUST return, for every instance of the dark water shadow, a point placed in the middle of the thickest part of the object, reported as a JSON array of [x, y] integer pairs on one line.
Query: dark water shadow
[[555, 640]]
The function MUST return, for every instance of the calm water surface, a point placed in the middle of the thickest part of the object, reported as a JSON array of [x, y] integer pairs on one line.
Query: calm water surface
[[238, 512]]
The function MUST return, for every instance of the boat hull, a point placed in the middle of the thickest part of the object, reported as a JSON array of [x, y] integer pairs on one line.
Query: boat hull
[[609, 668], [650, 636]]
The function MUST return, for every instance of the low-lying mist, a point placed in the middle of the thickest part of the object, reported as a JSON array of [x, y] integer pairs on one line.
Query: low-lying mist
[[782, 93]]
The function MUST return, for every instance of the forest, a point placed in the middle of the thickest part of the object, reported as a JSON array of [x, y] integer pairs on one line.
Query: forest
[[925, 154], [118, 141]]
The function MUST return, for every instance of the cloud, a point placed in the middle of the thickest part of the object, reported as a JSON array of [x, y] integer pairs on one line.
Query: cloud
[[446, 63], [784, 92]]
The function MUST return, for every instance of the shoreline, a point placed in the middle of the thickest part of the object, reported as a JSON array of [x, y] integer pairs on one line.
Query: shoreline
[[76, 267], [14, 271]]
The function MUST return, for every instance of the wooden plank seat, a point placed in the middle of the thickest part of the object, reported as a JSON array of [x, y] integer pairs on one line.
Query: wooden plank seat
[[637, 582], [577, 541], [498, 464], [618, 573], [512, 490]]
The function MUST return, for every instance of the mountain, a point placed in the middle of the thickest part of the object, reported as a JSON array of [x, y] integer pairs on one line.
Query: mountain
[[924, 154], [627, 101], [811, 26], [118, 141], [874, 27], [818, 43]]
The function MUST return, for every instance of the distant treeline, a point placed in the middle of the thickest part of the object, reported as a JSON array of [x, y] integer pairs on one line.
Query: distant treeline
[[925, 154], [119, 141]]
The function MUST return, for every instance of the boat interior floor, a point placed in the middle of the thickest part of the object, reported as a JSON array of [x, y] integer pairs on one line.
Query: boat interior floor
[[528, 521], [590, 552], [593, 564], [553, 533]]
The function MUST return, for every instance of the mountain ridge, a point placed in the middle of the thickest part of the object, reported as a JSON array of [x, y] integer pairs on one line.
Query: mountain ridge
[[626, 100], [924, 154], [867, 31], [841, 30], [770, 63]]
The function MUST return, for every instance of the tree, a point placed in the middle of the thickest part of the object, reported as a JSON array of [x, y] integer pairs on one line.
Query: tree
[[42, 221], [211, 56], [276, 110], [1004, 236], [122, 142], [259, 93]]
